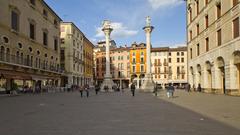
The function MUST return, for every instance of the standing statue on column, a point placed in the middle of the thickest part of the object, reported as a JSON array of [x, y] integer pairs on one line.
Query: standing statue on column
[[148, 85]]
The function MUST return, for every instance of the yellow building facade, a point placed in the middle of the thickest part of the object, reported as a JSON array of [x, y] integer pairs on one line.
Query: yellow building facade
[[29, 45], [137, 62], [88, 48]]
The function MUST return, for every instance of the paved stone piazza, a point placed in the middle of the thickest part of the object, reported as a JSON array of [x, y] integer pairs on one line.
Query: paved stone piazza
[[107, 114]]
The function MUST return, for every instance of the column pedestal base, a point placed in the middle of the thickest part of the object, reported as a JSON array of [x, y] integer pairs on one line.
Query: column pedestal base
[[148, 84], [108, 82]]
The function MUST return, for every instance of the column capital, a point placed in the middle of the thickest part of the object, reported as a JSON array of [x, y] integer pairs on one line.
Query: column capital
[[148, 29]]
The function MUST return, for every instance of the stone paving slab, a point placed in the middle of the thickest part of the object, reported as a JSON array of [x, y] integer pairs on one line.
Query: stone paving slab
[[104, 114], [222, 108]]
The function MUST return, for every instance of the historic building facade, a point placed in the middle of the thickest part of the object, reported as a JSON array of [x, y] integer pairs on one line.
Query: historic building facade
[[88, 48], [169, 65], [119, 66], [213, 45], [29, 44], [72, 54], [137, 63], [119, 59]]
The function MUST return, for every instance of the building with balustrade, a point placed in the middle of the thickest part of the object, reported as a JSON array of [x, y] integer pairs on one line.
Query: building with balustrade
[[29, 45], [214, 45], [169, 65]]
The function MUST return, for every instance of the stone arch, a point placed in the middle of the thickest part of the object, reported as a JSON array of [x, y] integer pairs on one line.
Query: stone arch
[[133, 76], [192, 76], [236, 62], [199, 74], [220, 64], [208, 77]]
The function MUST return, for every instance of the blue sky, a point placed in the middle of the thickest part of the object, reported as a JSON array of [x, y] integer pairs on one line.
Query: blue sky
[[128, 19]]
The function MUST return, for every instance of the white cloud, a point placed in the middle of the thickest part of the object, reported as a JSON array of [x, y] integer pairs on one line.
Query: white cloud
[[119, 31], [163, 3]]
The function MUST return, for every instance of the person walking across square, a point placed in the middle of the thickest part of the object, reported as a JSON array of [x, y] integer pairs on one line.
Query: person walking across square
[[133, 87]]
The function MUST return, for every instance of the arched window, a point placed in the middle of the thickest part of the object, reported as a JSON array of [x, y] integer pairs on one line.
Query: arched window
[[2, 53], [17, 57], [8, 55]]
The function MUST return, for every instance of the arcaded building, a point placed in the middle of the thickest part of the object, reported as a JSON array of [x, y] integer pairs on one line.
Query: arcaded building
[[214, 45], [29, 45]]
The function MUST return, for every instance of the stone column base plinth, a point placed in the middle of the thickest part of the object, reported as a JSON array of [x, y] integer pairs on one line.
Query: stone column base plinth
[[109, 83], [148, 84]]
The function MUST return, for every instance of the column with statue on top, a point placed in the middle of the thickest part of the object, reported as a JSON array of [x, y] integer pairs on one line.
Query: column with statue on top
[[107, 85], [148, 84]]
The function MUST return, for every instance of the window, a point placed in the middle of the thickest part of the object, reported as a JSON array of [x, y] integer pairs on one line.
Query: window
[[32, 31], [15, 21], [133, 69], [55, 44], [45, 13], [182, 59], [197, 4], [236, 28], [33, 2], [190, 15], [219, 8], [169, 60], [190, 33], [133, 54], [178, 60], [206, 2], [169, 53], [55, 22], [206, 21], [142, 60], [198, 51], [190, 53], [159, 62], [45, 38], [219, 37], [5, 40], [178, 70], [182, 53], [197, 29], [235, 2], [142, 68], [207, 44], [141, 53], [177, 53], [134, 60]]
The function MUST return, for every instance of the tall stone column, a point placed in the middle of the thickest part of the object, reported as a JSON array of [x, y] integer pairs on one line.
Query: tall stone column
[[148, 84], [108, 82]]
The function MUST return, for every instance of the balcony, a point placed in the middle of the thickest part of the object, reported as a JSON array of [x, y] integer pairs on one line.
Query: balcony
[[27, 62], [165, 64]]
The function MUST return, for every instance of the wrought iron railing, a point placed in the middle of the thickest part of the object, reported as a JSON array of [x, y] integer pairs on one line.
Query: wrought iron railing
[[28, 61]]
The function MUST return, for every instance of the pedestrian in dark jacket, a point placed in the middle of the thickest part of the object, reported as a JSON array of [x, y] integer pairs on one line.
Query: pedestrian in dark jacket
[[199, 89], [97, 89], [81, 90], [133, 87]]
